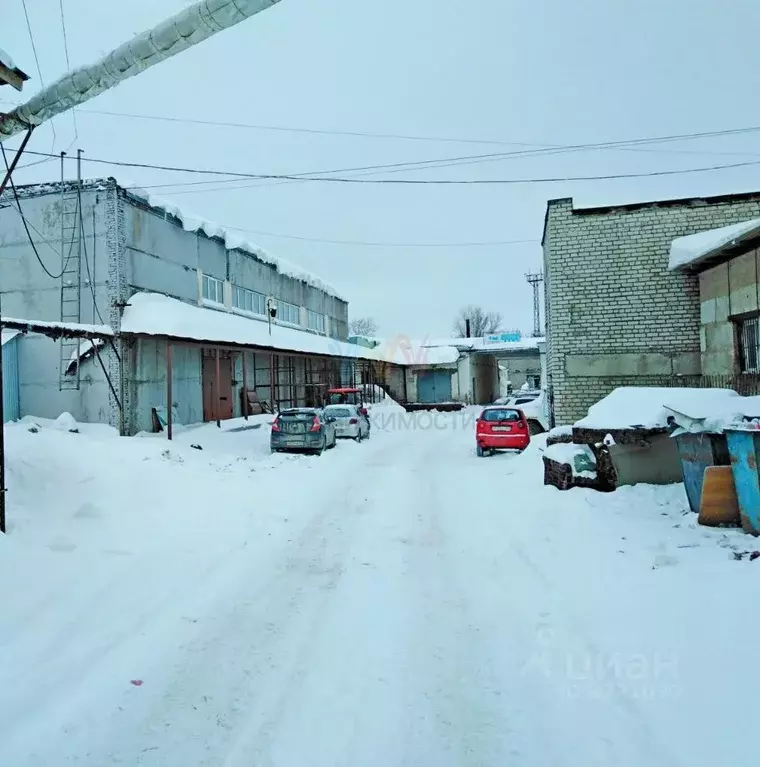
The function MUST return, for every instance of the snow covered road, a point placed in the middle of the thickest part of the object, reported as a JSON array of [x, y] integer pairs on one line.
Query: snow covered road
[[398, 602]]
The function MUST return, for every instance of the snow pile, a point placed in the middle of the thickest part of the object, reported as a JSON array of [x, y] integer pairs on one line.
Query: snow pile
[[685, 251], [580, 458], [561, 431], [645, 407], [192, 223]]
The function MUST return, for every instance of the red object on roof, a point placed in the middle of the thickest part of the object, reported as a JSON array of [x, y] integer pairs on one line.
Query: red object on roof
[[344, 390]]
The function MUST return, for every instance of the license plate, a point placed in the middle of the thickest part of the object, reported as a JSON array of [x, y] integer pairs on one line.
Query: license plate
[[502, 428]]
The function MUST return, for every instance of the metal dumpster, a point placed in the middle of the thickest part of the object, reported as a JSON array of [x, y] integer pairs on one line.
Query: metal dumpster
[[697, 452], [744, 449]]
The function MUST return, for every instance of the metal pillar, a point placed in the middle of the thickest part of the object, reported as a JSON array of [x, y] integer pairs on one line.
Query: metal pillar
[[169, 396]]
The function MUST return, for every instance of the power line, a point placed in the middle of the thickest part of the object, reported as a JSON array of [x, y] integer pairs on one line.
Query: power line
[[408, 137], [37, 61], [371, 244], [411, 182], [68, 67], [27, 225]]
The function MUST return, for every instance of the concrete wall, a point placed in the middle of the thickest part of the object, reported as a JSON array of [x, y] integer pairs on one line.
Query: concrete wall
[[519, 366], [615, 315], [163, 257], [726, 290], [29, 293]]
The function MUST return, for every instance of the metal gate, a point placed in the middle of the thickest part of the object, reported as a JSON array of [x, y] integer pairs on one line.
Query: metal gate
[[434, 386]]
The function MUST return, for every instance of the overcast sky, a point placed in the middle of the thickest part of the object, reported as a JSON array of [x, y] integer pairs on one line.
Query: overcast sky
[[535, 73]]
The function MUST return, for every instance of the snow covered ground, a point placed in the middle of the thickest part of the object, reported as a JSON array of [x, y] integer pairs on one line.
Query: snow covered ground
[[396, 602]]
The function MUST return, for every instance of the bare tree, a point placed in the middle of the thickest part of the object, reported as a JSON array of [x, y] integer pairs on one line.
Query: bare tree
[[363, 326], [481, 322]]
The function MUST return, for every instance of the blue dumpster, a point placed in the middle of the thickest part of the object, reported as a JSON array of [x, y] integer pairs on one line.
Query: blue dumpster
[[697, 452], [744, 449]]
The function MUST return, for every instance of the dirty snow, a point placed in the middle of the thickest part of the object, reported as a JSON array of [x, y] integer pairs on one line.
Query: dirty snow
[[689, 250], [648, 407], [33, 325], [398, 602]]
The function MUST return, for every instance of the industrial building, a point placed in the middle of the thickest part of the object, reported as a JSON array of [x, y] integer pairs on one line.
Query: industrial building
[[179, 314], [616, 314]]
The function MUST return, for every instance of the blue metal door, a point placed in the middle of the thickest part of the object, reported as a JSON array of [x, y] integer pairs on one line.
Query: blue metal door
[[434, 386], [11, 411]]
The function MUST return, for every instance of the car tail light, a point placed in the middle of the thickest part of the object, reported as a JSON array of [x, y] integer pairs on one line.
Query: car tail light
[[481, 425], [354, 420], [276, 424], [317, 424]]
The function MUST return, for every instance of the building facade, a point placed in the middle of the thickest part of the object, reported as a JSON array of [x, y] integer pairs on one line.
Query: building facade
[[616, 315], [99, 244]]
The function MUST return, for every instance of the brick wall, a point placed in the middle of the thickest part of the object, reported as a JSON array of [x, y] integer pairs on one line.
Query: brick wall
[[615, 315]]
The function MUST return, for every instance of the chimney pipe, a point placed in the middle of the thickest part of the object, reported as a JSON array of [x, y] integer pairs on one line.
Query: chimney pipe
[[467, 328]]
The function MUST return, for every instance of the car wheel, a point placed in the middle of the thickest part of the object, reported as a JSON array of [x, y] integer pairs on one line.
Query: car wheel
[[321, 448], [358, 437], [334, 442], [479, 451]]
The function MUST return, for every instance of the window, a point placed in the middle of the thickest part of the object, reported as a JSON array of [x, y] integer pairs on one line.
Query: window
[[288, 313], [249, 300], [500, 415], [213, 289], [748, 333], [315, 321]]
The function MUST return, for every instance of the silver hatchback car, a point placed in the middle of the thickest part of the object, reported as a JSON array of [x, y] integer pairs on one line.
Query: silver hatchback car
[[303, 428], [350, 422]]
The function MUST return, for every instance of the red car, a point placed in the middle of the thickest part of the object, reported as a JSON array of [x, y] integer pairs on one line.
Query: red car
[[501, 428]]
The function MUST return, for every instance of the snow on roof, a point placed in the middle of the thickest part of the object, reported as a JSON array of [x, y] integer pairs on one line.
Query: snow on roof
[[645, 407], [479, 344], [57, 329], [195, 224], [192, 223], [689, 250], [6, 60], [155, 314]]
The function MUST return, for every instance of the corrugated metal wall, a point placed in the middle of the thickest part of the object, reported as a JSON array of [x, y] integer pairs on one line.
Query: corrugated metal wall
[[11, 409]]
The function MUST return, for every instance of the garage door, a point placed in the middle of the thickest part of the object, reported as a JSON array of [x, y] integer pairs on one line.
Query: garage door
[[434, 386]]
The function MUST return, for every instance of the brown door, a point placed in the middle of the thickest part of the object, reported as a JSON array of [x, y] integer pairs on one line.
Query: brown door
[[210, 385]]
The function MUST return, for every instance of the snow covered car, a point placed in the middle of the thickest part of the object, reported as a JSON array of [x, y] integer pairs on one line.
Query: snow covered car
[[303, 428], [501, 428], [350, 421]]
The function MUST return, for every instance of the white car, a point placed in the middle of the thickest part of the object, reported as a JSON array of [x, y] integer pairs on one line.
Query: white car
[[350, 423]]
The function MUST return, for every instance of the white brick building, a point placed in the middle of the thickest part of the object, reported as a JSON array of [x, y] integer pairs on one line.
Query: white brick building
[[615, 315]]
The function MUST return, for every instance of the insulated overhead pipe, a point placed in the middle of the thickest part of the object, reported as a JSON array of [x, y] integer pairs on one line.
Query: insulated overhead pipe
[[178, 33]]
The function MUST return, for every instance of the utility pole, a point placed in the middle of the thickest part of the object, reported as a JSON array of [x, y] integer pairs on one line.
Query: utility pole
[[535, 279]]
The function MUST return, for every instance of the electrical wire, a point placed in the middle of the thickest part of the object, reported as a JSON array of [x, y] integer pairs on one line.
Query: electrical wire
[[86, 258], [68, 67], [29, 234], [371, 244], [396, 181], [37, 62], [407, 137]]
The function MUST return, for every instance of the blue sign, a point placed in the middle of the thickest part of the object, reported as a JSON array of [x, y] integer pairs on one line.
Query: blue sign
[[500, 338]]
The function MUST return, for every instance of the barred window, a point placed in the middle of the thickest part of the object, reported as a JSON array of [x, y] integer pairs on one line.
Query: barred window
[[748, 333]]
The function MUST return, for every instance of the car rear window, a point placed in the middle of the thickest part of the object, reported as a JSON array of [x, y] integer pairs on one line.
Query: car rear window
[[340, 412], [501, 414], [298, 415], [524, 400]]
